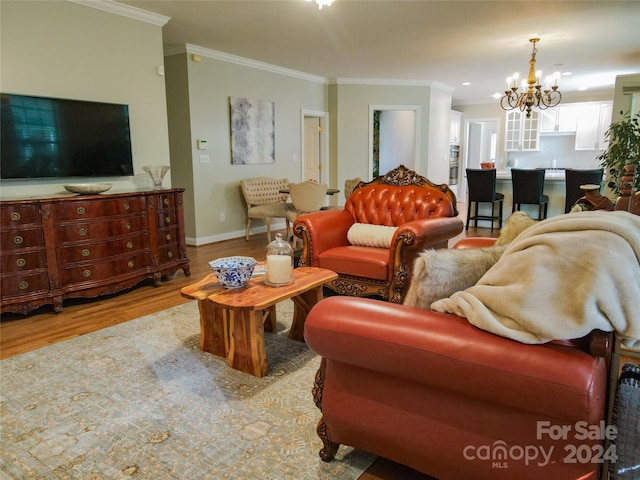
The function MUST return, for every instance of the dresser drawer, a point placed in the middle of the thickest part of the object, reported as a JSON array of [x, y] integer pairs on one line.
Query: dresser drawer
[[168, 254], [22, 261], [11, 215], [97, 230], [166, 218], [104, 249], [29, 282], [21, 238], [167, 236], [77, 210], [166, 202], [104, 270]]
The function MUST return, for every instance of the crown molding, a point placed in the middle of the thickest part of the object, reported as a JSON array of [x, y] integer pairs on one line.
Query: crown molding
[[125, 10], [392, 83], [246, 62]]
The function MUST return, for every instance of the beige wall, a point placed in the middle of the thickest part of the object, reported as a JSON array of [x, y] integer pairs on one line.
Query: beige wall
[[203, 89], [62, 49], [350, 112]]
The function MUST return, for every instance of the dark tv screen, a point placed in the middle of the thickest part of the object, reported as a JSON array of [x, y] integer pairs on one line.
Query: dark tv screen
[[49, 137]]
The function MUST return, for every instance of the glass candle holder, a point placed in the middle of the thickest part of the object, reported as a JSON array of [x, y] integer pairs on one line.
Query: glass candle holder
[[279, 263]]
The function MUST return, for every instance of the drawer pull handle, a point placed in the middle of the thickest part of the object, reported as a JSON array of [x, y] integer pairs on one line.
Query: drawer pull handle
[[168, 236], [85, 252], [128, 226], [130, 264], [82, 232], [15, 216], [126, 205], [21, 262], [23, 285], [18, 240], [166, 201], [129, 245], [167, 220], [81, 210], [169, 255], [86, 273]]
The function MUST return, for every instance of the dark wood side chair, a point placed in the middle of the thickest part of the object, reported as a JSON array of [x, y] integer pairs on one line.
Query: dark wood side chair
[[528, 187], [482, 189], [574, 178]]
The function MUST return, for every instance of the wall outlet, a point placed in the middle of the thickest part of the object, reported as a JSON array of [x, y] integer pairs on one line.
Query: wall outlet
[[223, 217]]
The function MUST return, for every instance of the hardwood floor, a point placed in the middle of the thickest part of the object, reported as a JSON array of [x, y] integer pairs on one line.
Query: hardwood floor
[[20, 333]]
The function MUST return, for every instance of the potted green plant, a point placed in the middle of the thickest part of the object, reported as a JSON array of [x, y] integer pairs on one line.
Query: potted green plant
[[624, 149]]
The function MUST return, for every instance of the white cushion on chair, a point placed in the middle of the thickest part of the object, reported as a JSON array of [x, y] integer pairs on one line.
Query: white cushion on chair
[[368, 235]]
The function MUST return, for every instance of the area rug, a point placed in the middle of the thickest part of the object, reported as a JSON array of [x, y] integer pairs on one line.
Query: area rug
[[141, 400]]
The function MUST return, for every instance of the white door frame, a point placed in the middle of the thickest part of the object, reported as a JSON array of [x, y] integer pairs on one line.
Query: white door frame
[[464, 158], [324, 142]]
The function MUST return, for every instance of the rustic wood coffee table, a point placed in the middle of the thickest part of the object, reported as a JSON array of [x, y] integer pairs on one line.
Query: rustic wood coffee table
[[232, 321]]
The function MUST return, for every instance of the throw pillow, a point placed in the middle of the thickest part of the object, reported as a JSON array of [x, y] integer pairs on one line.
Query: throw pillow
[[440, 273], [368, 235]]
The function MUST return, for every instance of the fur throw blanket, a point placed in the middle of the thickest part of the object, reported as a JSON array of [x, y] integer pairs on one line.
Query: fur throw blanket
[[440, 273], [561, 279]]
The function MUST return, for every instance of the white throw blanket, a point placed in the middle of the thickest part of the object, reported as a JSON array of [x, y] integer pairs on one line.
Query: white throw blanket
[[561, 279]]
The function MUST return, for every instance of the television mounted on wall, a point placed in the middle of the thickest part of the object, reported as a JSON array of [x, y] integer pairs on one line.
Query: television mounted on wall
[[51, 137]]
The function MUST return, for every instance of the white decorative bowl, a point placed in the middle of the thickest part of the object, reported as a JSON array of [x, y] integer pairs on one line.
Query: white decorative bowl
[[87, 188], [233, 272]]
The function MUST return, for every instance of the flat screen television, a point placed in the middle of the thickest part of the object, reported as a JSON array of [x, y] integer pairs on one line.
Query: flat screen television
[[51, 137]]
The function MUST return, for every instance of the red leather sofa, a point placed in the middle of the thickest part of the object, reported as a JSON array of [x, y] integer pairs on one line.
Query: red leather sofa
[[431, 391]]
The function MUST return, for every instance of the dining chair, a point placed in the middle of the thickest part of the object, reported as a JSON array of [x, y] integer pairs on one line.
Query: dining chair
[[576, 177], [482, 189], [307, 196], [349, 185], [528, 187]]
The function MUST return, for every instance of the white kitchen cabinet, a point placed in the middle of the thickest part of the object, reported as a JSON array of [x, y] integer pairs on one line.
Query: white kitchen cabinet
[[454, 127], [522, 133], [593, 121], [561, 119]]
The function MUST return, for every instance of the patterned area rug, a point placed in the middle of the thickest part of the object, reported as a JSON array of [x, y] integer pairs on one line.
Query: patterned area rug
[[141, 400]]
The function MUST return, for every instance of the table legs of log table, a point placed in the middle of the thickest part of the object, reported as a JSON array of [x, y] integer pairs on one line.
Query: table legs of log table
[[302, 305], [246, 342], [214, 329]]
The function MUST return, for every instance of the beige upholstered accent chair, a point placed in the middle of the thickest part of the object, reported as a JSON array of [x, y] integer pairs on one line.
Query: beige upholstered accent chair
[[307, 197], [264, 200], [349, 185]]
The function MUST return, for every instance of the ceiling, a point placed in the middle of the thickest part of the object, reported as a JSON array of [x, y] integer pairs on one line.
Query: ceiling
[[421, 41]]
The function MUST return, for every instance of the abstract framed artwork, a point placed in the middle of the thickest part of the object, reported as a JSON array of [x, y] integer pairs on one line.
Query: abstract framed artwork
[[252, 131]]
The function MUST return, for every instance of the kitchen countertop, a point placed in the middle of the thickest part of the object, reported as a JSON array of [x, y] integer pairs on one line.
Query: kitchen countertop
[[551, 175]]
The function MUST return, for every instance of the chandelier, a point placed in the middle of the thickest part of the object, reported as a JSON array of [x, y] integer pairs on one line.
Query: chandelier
[[532, 94]]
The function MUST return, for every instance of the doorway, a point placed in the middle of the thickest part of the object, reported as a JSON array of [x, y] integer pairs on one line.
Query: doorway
[[480, 145], [314, 143], [394, 137]]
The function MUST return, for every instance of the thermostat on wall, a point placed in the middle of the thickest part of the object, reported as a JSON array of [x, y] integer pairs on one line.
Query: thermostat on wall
[[202, 145]]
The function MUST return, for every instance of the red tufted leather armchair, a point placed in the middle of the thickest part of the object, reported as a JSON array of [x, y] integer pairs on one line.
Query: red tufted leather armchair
[[426, 217]]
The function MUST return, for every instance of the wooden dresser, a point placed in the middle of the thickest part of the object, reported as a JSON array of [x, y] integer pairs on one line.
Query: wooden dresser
[[87, 245]]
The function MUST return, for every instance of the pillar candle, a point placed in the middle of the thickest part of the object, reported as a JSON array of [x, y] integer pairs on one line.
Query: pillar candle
[[279, 269]]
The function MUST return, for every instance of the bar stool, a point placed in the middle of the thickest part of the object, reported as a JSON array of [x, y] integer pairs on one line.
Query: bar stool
[[573, 179], [527, 190], [482, 189]]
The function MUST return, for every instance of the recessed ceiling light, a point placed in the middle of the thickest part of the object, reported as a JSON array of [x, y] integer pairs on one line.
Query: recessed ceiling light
[[466, 83], [497, 95]]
